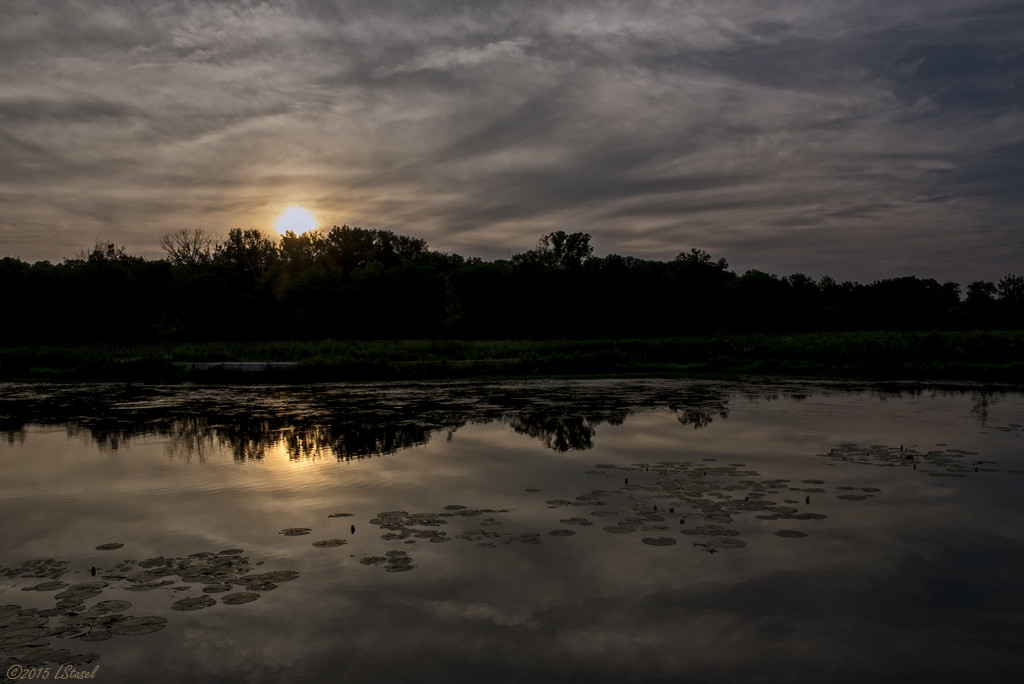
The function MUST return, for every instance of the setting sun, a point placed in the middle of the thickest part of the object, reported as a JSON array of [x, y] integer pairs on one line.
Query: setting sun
[[295, 219]]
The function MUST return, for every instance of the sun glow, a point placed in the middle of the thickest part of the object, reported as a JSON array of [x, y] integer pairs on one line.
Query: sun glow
[[295, 219]]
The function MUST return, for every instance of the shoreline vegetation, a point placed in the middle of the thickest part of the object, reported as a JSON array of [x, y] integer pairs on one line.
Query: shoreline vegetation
[[356, 284], [349, 304], [993, 357]]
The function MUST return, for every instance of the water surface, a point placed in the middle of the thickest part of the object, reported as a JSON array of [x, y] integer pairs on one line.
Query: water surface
[[592, 531]]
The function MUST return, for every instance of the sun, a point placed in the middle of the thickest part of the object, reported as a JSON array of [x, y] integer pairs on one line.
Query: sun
[[295, 219]]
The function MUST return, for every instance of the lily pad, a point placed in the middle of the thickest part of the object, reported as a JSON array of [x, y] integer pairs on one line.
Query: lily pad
[[576, 521], [790, 534], [193, 603], [96, 635], [279, 576], [561, 533], [658, 541], [295, 531], [328, 543], [78, 595], [133, 626], [112, 606], [148, 586], [217, 588], [239, 598], [109, 547], [47, 586], [340, 515]]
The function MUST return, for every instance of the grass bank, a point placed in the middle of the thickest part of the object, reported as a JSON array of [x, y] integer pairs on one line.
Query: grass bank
[[991, 356]]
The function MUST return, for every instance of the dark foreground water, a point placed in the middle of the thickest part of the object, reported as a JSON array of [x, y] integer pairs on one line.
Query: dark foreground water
[[590, 531]]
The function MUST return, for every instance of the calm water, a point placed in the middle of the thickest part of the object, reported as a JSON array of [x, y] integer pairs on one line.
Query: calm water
[[590, 531]]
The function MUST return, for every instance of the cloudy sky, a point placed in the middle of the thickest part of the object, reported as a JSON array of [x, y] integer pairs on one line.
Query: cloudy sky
[[852, 138]]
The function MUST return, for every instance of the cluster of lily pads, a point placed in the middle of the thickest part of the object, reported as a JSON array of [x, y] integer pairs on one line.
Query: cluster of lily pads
[[935, 462], [697, 499], [26, 633], [662, 499]]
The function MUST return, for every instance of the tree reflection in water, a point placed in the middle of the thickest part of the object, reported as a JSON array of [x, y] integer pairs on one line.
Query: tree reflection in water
[[346, 421]]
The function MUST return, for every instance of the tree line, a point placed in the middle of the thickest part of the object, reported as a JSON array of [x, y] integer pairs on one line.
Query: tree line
[[355, 283]]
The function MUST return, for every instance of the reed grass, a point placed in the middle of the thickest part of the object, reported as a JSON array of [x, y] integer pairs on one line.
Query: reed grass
[[993, 356]]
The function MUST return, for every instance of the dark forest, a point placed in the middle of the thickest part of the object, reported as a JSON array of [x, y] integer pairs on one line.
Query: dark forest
[[353, 283]]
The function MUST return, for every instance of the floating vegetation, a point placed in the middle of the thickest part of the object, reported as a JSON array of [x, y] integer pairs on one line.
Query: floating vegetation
[[526, 538], [135, 626], [340, 515], [790, 534], [96, 635], [112, 606], [937, 462], [46, 586], [26, 634], [576, 521], [295, 531], [42, 569], [397, 561], [196, 603], [658, 541], [217, 588], [79, 592], [329, 543], [149, 586], [109, 547], [711, 531], [239, 598], [663, 495]]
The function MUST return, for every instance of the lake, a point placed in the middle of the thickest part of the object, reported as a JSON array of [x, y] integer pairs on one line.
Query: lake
[[566, 531]]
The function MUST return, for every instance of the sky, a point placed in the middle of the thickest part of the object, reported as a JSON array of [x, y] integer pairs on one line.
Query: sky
[[853, 138]]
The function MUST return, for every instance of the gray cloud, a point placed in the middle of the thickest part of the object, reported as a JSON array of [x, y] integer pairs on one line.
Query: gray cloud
[[857, 140]]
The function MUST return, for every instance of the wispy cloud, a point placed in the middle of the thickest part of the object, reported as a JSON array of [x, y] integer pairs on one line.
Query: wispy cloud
[[847, 138]]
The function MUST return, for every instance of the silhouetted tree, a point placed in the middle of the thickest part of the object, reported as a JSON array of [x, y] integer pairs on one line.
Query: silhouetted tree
[[980, 304], [1011, 299], [558, 250], [188, 247], [248, 250]]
